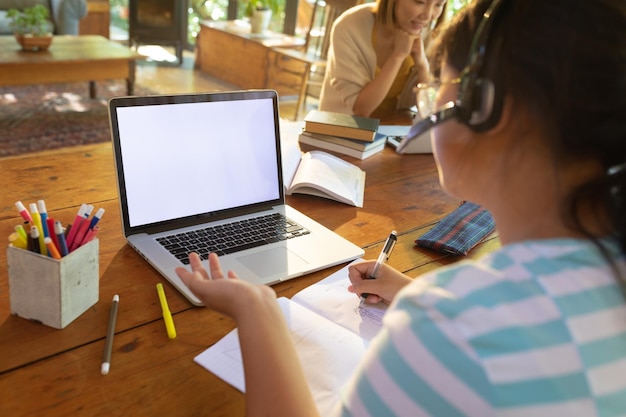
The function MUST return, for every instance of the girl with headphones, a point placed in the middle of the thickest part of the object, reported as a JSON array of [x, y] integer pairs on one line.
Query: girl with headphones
[[528, 122]]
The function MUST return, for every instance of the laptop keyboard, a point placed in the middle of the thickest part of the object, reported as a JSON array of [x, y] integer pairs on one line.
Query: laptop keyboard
[[232, 237]]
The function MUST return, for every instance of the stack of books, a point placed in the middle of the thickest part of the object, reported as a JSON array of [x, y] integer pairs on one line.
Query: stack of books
[[346, 134]]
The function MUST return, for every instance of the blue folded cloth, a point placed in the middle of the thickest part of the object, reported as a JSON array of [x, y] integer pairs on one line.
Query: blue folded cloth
[[459, 231]]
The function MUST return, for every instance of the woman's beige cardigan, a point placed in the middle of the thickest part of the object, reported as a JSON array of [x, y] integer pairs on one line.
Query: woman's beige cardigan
[[352, 62]]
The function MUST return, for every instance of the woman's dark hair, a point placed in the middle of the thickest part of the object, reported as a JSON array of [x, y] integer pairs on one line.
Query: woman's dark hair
[[566, 61]]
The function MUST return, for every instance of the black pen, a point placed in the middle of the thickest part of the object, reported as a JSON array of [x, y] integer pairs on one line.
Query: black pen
[[382, 258]]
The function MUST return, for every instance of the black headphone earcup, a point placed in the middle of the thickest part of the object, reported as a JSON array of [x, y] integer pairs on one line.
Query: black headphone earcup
[[480, 91], [477, 102], [483, 106]]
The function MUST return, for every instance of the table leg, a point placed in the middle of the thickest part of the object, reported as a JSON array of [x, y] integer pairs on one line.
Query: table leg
[[130, 81], [93, 91]]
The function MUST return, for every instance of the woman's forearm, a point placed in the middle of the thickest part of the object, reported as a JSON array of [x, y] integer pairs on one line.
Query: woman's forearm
[[275, 381], [375, 92]]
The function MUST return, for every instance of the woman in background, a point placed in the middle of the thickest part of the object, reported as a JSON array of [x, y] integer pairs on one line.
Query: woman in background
[[536, 328], [377, 56]]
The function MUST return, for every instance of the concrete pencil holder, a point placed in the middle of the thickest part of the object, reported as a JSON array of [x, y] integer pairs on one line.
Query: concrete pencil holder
[[53, 292]]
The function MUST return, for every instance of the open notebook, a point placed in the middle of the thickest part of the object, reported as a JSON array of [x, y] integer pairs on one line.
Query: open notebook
[[196, 169], [330, 331]]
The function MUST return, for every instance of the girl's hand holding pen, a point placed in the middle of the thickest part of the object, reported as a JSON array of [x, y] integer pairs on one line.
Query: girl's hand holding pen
[[385, 287]]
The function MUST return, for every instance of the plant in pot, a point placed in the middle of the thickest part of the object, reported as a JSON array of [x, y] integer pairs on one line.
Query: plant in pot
[[31, 27], [260, 14]]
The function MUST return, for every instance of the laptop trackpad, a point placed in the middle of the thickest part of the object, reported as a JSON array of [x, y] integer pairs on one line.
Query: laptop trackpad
[[272, 262]]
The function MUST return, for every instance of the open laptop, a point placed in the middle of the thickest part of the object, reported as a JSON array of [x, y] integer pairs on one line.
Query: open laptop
[[192, 161]]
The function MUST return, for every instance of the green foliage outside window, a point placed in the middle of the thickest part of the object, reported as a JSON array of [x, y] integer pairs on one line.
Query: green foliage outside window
[[455, 5], [119, 14], [217, 10], [204, 10]]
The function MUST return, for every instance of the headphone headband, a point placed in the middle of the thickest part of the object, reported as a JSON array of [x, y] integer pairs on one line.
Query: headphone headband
[[480, 98]]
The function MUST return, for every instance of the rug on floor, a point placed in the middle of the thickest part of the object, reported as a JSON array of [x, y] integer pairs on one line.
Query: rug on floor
[[40, 117]]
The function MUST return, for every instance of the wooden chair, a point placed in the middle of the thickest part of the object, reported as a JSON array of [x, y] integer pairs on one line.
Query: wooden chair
[[296, 70]]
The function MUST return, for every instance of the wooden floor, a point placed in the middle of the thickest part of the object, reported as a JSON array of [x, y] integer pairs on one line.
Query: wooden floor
[[159, 74]]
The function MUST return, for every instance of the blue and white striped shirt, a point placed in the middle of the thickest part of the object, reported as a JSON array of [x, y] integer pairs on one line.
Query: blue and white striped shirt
[[533, 329]]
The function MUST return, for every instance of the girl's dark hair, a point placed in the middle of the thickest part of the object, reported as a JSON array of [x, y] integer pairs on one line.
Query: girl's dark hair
[[566, 61]]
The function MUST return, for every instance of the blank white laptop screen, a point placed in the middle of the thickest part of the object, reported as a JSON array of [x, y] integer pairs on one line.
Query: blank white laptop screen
[[220, 147], [185, 162]]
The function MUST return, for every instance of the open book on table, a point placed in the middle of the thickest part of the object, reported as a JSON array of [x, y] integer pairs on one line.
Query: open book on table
[[330, 332], [319, 173]]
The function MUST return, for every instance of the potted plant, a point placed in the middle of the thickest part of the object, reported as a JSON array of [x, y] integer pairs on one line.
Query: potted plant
[[31, 27], [251, 5], [260, 14]]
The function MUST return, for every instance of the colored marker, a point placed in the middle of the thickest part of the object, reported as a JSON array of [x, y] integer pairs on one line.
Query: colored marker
[[21, 231], [33, 242], [167, 315], [58, 231], [80, 235], [82, 229], [43, 213], [96, 218], [53, 236], [23, 212], [80, 216], [18, 241], [90, 235], [52, 250], [37, 222]]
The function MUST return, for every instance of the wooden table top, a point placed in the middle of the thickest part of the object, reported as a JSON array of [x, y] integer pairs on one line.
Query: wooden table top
[[67, 48], [151, 374]]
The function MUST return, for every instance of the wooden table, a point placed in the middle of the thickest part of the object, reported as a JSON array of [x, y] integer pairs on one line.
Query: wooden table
[[51, 372], [227, 50], [69, 58]]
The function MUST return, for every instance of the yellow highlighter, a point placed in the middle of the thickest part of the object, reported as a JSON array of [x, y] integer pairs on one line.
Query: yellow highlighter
[[167, 315], [18, 241]]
